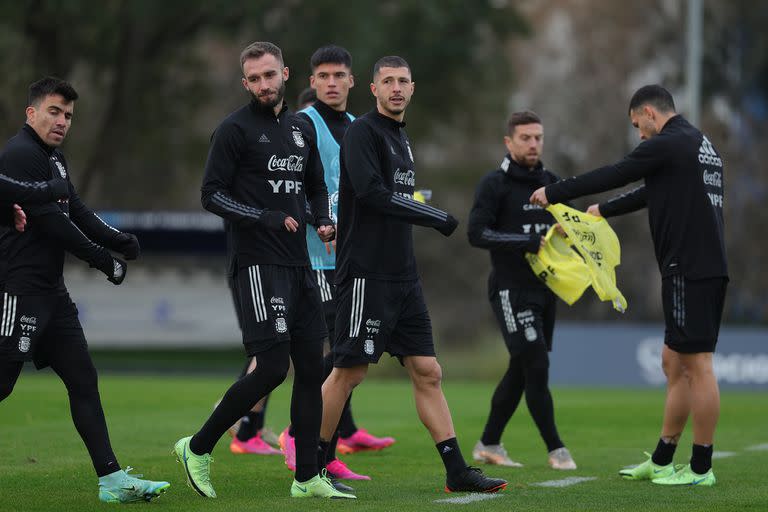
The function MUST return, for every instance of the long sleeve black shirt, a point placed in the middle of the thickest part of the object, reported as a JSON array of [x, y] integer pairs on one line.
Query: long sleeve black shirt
[[376, 205], [259, 164], [504, 222], [33, 261], [683, 192]]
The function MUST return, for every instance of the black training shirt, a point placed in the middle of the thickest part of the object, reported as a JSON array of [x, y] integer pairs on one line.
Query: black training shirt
[[376, 205], [32, 262], [261, 167], [504, 222], [684, 188]]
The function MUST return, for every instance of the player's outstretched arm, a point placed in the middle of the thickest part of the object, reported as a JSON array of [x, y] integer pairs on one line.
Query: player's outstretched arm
[[26, 192], [644, 160], [632, 201]]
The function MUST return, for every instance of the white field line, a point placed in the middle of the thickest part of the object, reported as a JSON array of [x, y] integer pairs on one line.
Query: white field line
[[723, 455], [565, 482], [758, 447], [469, 498]]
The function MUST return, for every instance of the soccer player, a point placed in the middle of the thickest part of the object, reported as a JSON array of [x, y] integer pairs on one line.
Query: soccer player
[[262, 168], [380, 301], [331, 80], [39, 320], [504, 222], [683, 192]]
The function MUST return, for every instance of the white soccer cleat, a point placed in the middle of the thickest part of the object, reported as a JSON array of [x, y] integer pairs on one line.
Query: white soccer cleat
[[493, 454]]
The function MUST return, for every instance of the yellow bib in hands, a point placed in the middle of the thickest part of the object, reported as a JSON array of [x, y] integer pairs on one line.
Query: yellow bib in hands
[[592, 241], [560, 267]]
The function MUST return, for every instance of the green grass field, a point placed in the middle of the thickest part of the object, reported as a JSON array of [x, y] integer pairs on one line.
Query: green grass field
[[44, 466]]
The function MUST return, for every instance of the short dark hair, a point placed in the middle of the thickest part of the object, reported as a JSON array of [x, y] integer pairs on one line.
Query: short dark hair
[[520, 118], [308, 95], [51, 85], [259, 49], [654, 95], [390, 61], [330, 54]]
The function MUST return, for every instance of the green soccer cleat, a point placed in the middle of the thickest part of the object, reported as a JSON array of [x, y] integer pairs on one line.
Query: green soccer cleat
[[686, 476], [120, 487], [647, 470], [196, 467], [320, 486]]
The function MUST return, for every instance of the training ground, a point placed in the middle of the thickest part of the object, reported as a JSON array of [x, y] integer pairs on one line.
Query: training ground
[[44, 466]]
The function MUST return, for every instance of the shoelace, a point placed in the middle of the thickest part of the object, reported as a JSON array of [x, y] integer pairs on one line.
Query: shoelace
[[128, 469]]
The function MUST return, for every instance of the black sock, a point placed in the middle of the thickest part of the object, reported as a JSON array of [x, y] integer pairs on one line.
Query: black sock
[[701, 458], [330, 452], [322, 454], [664, 453], [247, 428], [451, 454]]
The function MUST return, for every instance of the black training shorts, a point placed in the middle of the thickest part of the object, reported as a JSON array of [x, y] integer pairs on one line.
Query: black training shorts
[[693, 309], [36, 327], [278, 304], [525, 317], [373, 317], [325, 282]]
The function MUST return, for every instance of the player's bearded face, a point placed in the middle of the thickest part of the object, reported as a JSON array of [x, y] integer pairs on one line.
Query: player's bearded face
[[526, 144], [270, 98], [264, 79]]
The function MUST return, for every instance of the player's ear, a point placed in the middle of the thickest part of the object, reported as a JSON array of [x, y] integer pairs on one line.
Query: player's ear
[[373, 88], [286, 73], [351, 80]]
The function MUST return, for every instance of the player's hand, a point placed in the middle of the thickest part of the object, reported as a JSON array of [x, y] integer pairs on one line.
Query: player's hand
[[114, 268], [326, 233], [449, 227], [290, 224], [594, 209], [119, 269], [539, 197], [19, 218], [560, 231], [331, 246], [128, 245]]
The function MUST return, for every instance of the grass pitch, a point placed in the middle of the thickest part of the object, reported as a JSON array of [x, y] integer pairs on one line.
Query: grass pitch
[[44, 466]]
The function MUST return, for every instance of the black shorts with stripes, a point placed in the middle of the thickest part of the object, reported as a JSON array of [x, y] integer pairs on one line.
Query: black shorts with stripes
[[693, 309], [278, 304], [36, 327], [373, 317], [526, 317], [325, 282]]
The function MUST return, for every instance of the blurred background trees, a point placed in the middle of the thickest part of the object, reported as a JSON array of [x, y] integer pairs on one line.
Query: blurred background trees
[[155, 78]]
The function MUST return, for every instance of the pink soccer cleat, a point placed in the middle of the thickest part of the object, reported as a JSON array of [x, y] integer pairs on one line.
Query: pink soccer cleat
[[288, 446], [361, 440], [337, 469], [254, 445]]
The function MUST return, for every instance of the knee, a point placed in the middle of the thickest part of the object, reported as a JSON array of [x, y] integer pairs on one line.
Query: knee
[[274, 373], [673, 369], [427, 373], [347, 378]]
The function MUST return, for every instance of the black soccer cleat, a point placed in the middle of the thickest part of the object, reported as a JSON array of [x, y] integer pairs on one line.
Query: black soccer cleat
[[473, 480]]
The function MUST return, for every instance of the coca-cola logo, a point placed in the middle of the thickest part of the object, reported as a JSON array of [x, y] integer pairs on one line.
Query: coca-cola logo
[[28, 320], [291, 163], [714, 179], [407, 178]]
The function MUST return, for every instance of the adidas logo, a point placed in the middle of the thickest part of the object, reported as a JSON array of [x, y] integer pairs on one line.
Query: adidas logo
[[708, 155], [264, 139], [446, 449]]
